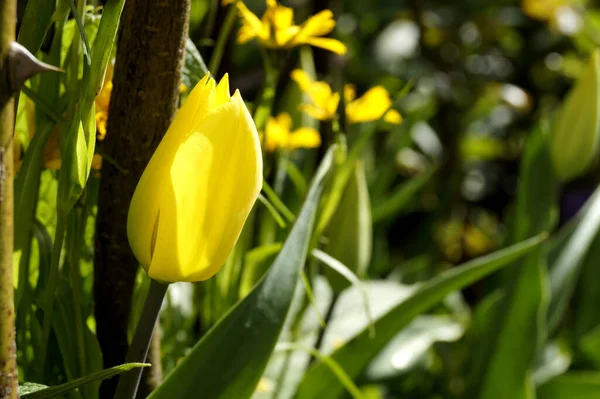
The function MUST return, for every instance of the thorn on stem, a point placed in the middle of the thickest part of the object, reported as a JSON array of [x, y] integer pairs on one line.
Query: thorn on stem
[[22, 65]]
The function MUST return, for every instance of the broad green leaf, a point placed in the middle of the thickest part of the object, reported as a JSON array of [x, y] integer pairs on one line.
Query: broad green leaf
[[52, 392], [510, 343], [302, 327], [360, 350], [574, 385], [411, 345], [586, 312], [574, 143], [74, 166], [350, 234], [566, 265], [230, 359]]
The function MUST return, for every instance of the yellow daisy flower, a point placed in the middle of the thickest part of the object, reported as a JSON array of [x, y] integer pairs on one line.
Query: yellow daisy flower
[[280, 135], [371, 106], [276, 29]]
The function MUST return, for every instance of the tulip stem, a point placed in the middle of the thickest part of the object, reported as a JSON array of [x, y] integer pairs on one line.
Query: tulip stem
[[138, 351]]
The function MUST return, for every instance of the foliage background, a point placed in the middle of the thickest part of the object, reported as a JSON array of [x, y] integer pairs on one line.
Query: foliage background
[[466, 173]]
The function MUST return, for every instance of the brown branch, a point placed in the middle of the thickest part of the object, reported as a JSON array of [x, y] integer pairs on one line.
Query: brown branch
[[145, 96], [8, 349]]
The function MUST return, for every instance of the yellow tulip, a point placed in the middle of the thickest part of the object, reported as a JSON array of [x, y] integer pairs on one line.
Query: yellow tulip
[[192, 200], [280, 134], [276, 29], [371, 106]]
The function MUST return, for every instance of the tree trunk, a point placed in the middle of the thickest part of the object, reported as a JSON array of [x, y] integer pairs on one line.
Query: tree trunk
[[8, 349], [150, 53]]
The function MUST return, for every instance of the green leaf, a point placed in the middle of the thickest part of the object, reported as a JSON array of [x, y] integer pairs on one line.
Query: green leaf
[[344, 271], [51, 392], [350, 232], [333, 366], [79, 22], [510, 343], [574, 385], [586, 312], [272, 210], [35, 24], [302, 326], [230, 359], [412, 344], [566, 265], [74, 165], [194, 67], [360, 350]]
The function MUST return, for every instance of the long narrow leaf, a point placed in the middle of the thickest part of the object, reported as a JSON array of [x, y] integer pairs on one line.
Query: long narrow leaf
[[52, 392], [230, 359], [355, 355]]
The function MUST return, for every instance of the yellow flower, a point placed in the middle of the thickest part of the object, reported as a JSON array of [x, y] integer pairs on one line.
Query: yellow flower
[[192, 200], [544, 10], [324, 100], [279, 134], [276, 29], [103, 102], [371, 106]]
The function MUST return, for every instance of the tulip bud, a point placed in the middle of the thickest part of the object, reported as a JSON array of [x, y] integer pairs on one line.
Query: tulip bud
[[350, 232], [574, 143], [194, 196]]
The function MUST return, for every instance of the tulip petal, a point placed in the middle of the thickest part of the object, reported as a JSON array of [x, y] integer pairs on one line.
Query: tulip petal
[[211, 185], [223, 94]]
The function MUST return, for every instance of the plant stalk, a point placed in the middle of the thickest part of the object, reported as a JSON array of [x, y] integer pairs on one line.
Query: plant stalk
[[138, 351], [8, 349]]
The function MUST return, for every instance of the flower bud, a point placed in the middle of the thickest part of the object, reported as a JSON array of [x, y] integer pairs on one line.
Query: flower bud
[[194, 196], [350, 232], [574, 143]]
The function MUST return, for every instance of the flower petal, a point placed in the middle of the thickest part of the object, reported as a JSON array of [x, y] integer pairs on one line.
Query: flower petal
[[333, 45], [304, 137], [223, 94], [393, 116], [211, 184], [318, 25], [252, 26], [370, 107]]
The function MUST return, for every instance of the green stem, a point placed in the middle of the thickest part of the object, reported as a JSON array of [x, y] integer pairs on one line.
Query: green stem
[[263, 110], [217, 56], [77, 226], [128, 383], [59, 237]]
